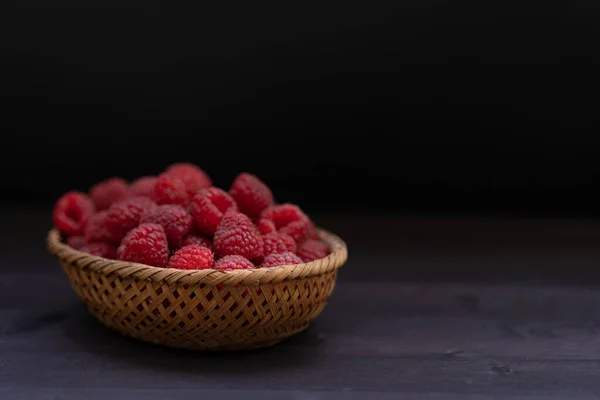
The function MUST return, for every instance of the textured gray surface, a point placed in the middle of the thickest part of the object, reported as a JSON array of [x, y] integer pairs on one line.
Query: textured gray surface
[[511, 335]]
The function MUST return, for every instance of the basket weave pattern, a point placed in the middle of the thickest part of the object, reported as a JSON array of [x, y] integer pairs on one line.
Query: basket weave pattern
[[202, 309]]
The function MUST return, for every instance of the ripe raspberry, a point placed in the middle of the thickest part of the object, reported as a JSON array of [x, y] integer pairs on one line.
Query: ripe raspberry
[[170, 190], [278, 243], [175, 220], [146, 244], [100, 249], [266, 226], [192, 256], [311, 250], [200, 240], [276, 260], [193, 177], [251, 194], [105, 193], [95, 231], [208, 207], [76, 241], [71, 212], [142, 186], [290, 219], [123, 216], [312, 231], [230, 263], [236, 235]]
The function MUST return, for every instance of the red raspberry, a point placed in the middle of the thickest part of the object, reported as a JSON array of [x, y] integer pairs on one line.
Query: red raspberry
[[236, 235], [105, 193], [170, 190], [104, 250], [230, 263], [202, 241], [176, 221], [192, 176], [146, 244], [95, 231], [208, 207], [290, 219], [142, 186], [71, 212], [251, 194], [76, 241], [311, 250], [123, 216], [276, 260], [278, 243], [192, 256], [266, 226], [312, 231]]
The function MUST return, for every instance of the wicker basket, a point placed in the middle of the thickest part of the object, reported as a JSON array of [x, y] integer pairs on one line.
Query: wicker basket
[[202, 309]]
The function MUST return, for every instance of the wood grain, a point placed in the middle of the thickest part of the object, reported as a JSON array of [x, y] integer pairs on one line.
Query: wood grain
[[425, 338]]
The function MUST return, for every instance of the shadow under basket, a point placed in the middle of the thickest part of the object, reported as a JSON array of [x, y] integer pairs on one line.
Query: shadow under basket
[[202, 309]]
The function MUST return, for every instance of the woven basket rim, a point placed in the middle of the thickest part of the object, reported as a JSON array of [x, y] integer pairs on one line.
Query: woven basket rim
[[130, 270]]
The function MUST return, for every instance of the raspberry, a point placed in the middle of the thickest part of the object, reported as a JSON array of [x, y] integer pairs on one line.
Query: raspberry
[[230, 263], [175, 220], [276, 260], [311, 250], [142, 186], [193, 177], [107, 192], [278, 243], [312, 231], [192, 256], [94, 231], [76, 241], [202, 241], [146, 244], [100, 249], [71, 212], [251, 194], [123, 216], [236, 235], [169, 190], [290, 219], [208, 207], [266, 226]]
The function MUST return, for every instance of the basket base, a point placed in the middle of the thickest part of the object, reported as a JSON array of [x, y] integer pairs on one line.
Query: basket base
[[244, 347], [199, 348]]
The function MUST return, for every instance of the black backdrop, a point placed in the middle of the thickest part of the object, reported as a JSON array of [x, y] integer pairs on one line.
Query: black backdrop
[[426, 105]]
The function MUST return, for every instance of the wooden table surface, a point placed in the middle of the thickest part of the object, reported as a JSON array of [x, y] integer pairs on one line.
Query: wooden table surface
[[426, 308]]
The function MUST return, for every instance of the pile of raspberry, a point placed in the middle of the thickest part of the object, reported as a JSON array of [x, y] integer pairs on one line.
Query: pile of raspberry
[[178, 219]]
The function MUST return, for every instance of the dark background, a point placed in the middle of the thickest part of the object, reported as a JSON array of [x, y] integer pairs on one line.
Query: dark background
[[425, 106], [389, 122]]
